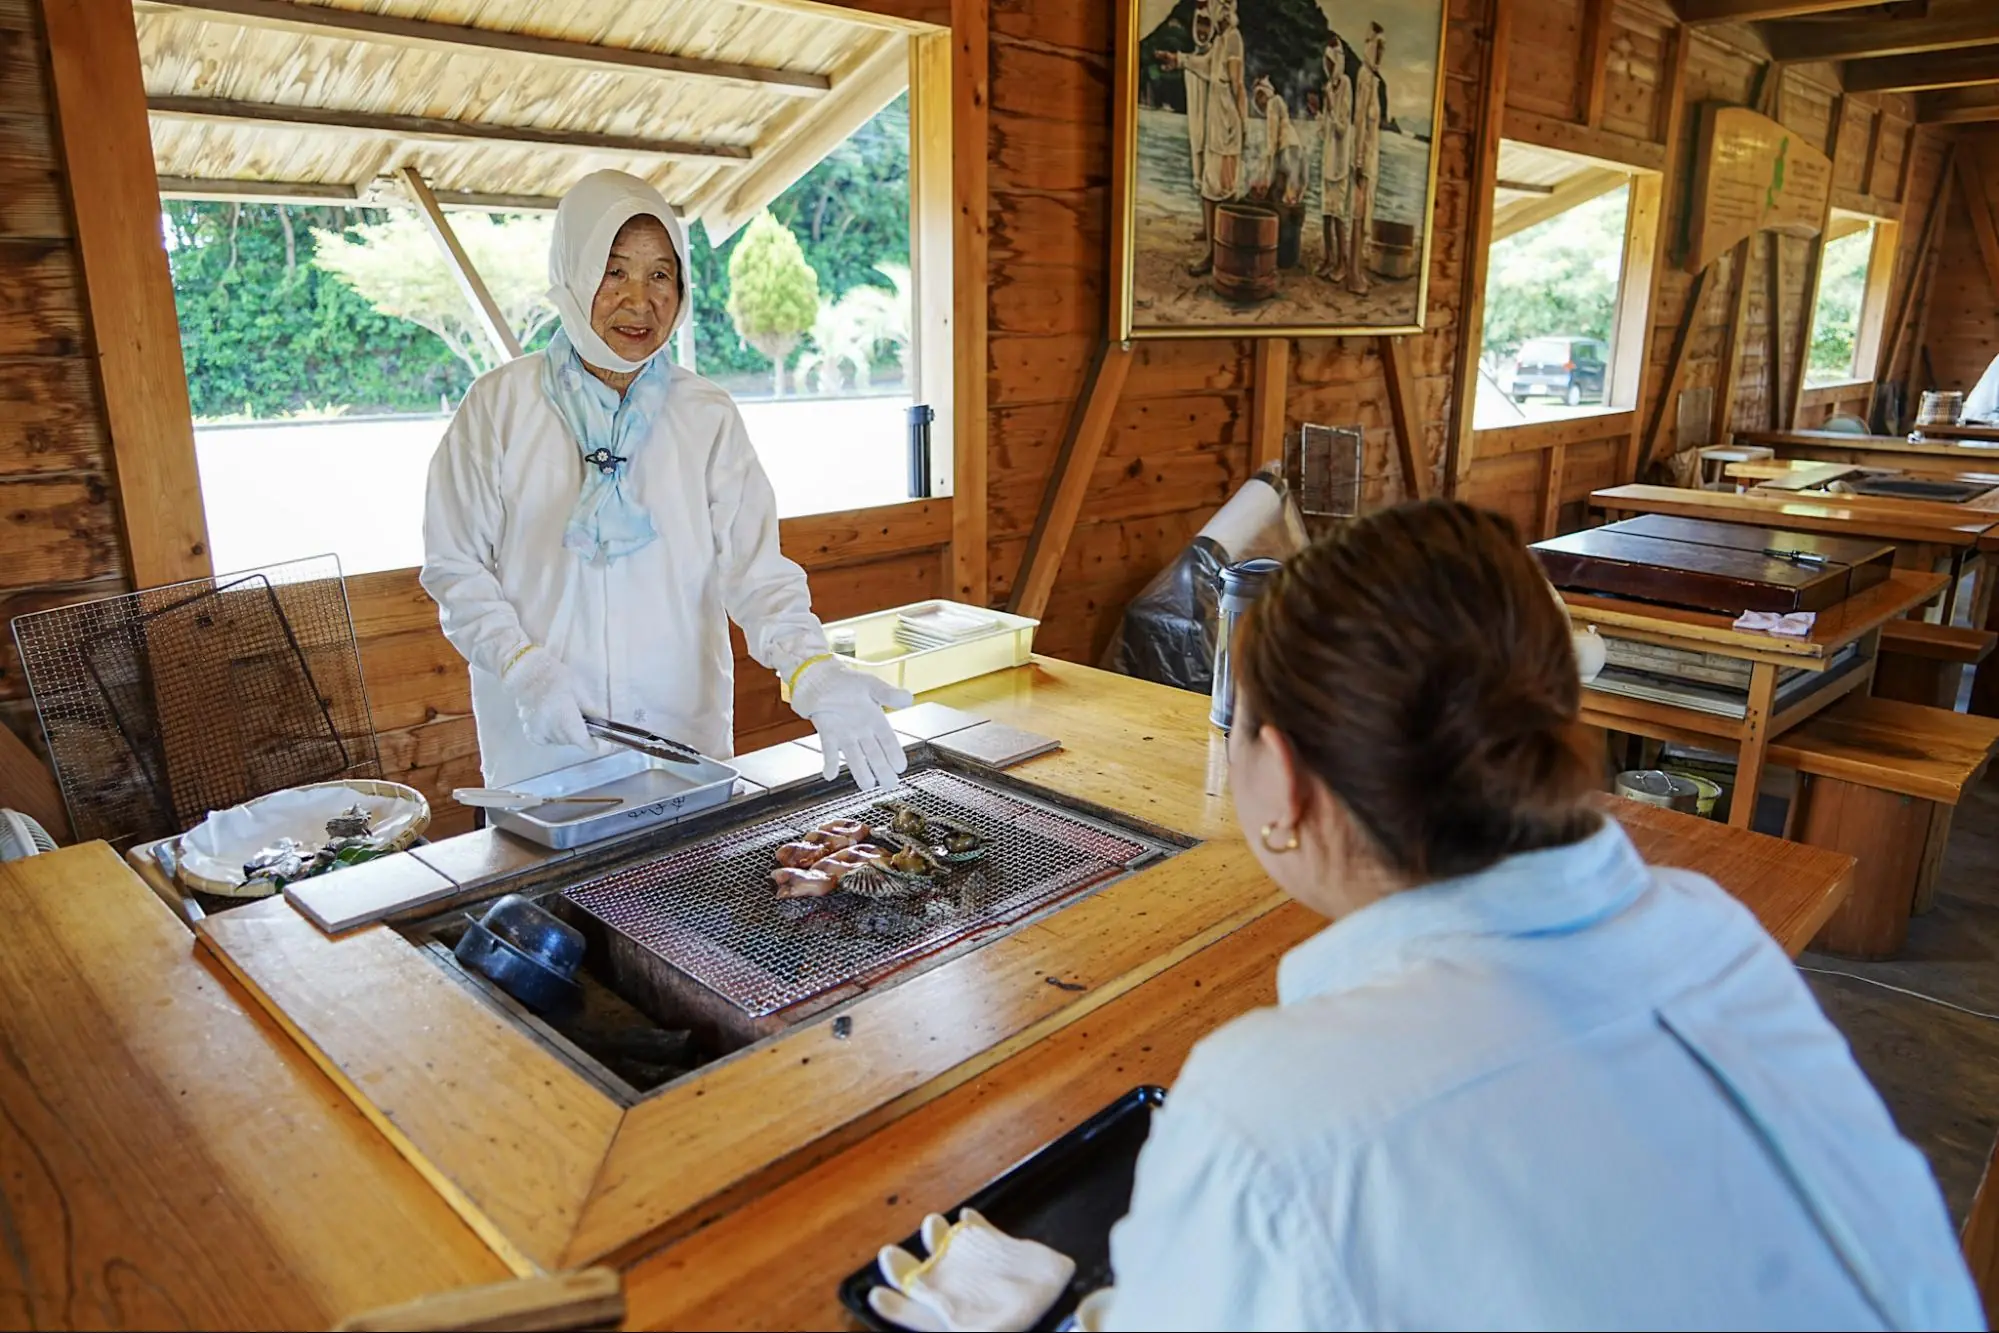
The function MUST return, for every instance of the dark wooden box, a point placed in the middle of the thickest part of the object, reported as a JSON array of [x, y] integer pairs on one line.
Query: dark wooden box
[[1721, 567]]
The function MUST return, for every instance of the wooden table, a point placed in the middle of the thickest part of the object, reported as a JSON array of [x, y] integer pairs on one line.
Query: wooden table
[[1790, 474], [1857, 619], [1961, 432], [775, 1263], [1893, 451], [1926, 535]]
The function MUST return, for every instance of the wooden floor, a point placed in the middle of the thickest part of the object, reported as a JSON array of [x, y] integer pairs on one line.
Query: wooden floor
[[1937, 1069]]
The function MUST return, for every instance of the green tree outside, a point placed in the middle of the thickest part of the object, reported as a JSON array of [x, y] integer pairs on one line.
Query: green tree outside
[[773, 292], [1557, 277], [395, 266], [1836, 324]]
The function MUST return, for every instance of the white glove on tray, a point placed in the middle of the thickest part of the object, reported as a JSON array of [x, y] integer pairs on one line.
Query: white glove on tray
[[551, 709], [845, 707], [976, 1277]]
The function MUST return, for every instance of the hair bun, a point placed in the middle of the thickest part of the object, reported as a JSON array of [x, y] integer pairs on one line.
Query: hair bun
[[1421, 671]]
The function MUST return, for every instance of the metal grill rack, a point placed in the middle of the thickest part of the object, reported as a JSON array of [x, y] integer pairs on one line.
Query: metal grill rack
[[709, 909], [162, 705]]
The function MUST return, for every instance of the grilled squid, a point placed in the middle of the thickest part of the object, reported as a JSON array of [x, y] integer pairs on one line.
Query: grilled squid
[[801, 855], [842, 862], [802, 883], [847, 828]]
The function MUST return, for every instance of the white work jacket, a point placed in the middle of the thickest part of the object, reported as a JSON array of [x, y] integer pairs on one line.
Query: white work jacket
[[647, 636]]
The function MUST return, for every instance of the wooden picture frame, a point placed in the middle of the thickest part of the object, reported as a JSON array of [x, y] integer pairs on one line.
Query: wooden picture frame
[[1236, 243]]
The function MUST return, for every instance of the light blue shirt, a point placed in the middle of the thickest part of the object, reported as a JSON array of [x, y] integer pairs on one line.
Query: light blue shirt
[[1571, 1091]]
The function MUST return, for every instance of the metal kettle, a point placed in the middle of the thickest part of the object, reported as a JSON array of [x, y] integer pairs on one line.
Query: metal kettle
[[1241, 584]]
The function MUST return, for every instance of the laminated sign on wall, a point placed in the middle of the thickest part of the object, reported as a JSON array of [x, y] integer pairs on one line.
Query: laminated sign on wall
[[1752, 175]]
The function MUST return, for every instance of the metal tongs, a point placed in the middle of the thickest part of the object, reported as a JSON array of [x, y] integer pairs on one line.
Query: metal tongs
[[645, 742]]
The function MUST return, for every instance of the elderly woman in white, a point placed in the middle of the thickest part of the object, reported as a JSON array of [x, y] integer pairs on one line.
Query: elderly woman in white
[[596, 516]]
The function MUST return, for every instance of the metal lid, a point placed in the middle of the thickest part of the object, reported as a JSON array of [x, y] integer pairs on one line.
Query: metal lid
[[1243, 581], [1654, 787]]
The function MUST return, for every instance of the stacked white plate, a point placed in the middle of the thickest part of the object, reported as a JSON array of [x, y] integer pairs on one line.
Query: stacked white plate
[[935, 626]]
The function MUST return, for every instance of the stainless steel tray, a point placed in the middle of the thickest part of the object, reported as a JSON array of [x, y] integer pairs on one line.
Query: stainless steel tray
[[655, 792]]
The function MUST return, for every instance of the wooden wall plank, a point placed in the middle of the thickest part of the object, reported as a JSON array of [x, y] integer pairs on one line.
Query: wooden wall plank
[[107, 151], [1272, 387], [1491, 125], [971, 83], [1070, 483]]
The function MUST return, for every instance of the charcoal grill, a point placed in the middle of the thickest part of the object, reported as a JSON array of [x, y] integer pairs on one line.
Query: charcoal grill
[[687, 931], [1947, 490]]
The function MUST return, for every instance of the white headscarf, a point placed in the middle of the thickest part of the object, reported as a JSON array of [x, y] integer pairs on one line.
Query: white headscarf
[[586, 222]]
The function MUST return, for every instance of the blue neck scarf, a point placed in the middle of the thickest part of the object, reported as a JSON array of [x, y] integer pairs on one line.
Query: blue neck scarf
[[607, 523]]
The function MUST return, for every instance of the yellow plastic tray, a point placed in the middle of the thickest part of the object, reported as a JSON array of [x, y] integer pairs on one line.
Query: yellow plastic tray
[[877, 652]]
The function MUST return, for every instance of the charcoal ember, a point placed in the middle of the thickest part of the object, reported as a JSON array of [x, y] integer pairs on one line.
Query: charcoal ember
[[795, 909], [883, 921]]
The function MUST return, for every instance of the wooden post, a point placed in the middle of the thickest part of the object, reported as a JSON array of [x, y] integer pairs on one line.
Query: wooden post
[[107, 147], [1554, 460], [491, 320], [932, 224], [1069, 482], [1637, 449], [1266, 408], [1596, 35], [1478, 247], [971, 76], [1784, 416], [1408, 425], [1676, 371], [1891, 350]]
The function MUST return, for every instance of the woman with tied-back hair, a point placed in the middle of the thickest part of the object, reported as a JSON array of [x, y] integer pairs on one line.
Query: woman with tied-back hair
[[1523, 1080]]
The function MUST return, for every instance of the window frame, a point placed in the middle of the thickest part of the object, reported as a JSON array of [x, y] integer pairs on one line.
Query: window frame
[[1876, 286], [1632, 307]]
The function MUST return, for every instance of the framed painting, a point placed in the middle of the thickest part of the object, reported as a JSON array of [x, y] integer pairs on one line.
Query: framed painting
[[1275, 166]]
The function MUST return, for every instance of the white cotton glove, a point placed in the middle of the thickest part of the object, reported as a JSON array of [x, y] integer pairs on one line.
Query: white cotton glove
[[976, 1278], [551, 709], [845, 707]]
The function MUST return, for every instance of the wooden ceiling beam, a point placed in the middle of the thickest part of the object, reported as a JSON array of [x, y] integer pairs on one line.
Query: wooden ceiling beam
[[395, 30], [1963, 68], [1958, 106], [333, 194], [1750, 11], [856, 99], [1948, 24], [433, 129]]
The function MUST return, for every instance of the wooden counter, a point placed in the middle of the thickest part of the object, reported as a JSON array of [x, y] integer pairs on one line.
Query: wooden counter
[[173, 1159], [942, 1082], [776, 1263]]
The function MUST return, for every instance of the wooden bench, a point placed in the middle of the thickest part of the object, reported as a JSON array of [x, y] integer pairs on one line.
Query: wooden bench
[[1921, 663], [1878, 779]]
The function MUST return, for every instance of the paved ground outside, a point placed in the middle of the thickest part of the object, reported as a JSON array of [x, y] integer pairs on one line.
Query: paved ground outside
[[353, 486]]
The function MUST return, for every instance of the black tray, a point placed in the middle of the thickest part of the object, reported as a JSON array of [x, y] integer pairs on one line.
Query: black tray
[[1068, 1196]]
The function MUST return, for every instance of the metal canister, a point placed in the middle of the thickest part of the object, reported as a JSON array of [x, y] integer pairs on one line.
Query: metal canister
[[1241, 584], [1663, 789]]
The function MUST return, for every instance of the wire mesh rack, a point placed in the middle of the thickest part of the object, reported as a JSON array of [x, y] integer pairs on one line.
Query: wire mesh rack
[[162, 705], [709, 909]]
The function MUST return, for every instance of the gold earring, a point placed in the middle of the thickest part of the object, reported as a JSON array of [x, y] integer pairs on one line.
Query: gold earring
[[1269, 846]]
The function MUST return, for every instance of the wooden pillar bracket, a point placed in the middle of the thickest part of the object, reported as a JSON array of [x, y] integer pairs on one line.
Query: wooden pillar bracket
[[1069, 482], [477, 295]]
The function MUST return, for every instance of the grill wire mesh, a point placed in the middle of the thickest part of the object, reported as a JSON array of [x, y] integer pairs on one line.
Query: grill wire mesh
[[710, 909], [162, 705]]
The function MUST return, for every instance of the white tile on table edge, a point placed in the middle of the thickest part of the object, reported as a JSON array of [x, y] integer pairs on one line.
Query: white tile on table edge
[[778, 767], [380, 887], [928, 721]]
